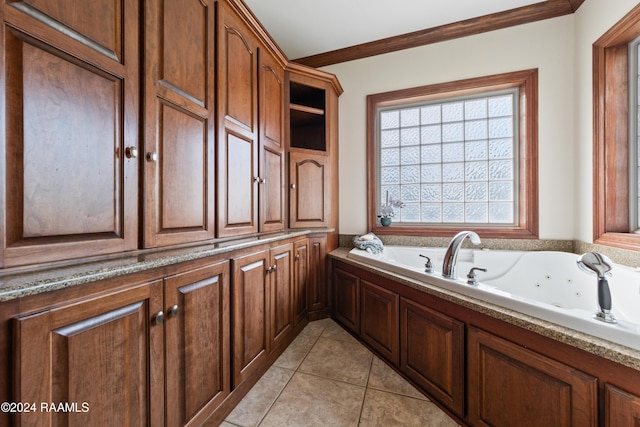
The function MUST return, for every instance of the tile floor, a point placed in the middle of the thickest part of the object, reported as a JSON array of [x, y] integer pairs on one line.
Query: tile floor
[[327, 378]]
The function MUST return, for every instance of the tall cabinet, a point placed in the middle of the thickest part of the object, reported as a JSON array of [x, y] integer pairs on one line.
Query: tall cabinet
[[251, 138], [178, 158], [69, 85], [312, 135]]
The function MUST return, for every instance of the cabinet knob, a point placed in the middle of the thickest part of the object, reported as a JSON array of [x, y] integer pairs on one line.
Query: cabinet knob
[[297, 257], [269, 269], [152, 156], [274, 268], [256, 179], [173, 311], [131, 152], [293, 186], [158, 319], [262, 180]]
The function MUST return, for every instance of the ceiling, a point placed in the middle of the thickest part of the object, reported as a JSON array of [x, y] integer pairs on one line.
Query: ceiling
[[306, 28]]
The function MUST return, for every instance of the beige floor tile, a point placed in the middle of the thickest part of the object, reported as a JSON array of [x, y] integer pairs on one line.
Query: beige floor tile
[[296, 352], [384, 378], [309, 400], [338, 360], [316, 327], [388, 409], [253, 407], [337, 332]]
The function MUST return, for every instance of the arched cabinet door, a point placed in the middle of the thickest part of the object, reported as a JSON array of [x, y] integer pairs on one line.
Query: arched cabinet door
[[309, 201]]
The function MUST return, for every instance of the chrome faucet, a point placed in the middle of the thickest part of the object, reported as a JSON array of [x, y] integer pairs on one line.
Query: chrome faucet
[[451, 256], [601, 265]]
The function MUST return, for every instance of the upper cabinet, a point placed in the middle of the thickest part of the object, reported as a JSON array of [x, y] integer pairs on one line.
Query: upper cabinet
[[312, 133], [251, 131], [68, 146], [179, 132]]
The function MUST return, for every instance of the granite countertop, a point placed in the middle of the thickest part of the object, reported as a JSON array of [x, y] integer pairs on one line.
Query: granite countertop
[[615, 352], [24, 281]]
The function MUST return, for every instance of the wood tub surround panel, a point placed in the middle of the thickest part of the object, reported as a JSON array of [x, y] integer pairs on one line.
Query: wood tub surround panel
[[483, 370]]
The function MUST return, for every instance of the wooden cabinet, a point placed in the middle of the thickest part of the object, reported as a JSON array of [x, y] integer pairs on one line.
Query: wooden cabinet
[[301, 278], [153, 354], [622, 409], [346, 299], [106, 352], [251, 119], [318, 298], [262, 307], [379, 320], [509, 384], [197, 343], [178, 157], [432, 352], [312, 136], [70, 89], [309, 203]]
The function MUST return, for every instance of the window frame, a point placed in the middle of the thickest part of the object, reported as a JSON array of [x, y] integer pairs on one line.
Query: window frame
[[611, 129], [527, 83]]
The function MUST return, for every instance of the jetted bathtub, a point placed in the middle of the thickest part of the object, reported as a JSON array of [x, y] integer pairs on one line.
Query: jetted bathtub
[[547, 285]]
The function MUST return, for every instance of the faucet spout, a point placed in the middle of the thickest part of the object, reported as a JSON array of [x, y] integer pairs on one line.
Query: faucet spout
[[451, 256]]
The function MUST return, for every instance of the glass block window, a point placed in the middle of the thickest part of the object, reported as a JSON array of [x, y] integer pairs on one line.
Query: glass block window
[[451, 161]]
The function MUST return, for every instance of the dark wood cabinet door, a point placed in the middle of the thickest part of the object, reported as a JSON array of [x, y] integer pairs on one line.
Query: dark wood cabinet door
[[197, 343], [432, 353], [105, 352], [301, 280], [511, 385], [237, 174], [379, 320], [309, 204], [346, 299], [272, 158], [318, 299], [251, 314], [281, 277], [179, 106], [621, 409], [70, 88]]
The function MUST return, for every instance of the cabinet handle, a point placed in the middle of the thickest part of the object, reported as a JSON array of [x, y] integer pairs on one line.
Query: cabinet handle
[[152, 156], [158, 319], [131, 152], [173, 311]]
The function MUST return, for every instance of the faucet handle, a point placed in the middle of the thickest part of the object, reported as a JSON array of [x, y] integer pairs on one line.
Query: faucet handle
[[472, 277], [428, 266]]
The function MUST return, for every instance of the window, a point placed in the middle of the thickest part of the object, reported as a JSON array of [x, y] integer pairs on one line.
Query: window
[[634, 135], [459, 155], [614, 215]]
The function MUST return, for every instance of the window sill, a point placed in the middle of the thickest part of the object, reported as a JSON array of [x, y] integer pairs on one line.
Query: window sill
[[443, 231], [629, 241]]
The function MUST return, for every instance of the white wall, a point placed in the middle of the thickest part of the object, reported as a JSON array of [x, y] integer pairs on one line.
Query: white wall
[[547, 45], [592, 20]]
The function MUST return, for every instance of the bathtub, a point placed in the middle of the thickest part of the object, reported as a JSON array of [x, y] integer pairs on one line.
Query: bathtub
[[547, 285]]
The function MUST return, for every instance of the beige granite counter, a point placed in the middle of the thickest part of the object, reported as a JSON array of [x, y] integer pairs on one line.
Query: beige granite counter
[[618, 353], [25, 281]]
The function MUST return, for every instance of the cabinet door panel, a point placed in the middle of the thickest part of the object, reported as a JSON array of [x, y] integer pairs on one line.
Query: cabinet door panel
[[432, 352], [309, 203], [621, 409], [197, 343], [281, 292], [240, 199], [77, 191], [179, 122], [318, 299], [379, 320], [251, 314], [240, 79], [301, 280], [503, 377], [346, 299], [97, 351]]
